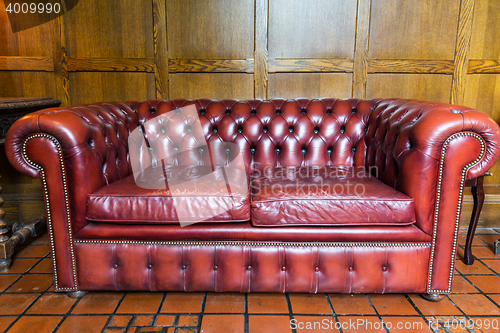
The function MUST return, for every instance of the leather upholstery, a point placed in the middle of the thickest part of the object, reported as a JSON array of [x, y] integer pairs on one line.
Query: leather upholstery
[[247, 267], [245, 230], [416, 146], [188, 192], [329, 196]]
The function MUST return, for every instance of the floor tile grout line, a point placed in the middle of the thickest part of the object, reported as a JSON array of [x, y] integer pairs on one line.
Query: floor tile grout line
[[417, 309], [290, 310], [337, 321], [245, 315], [158, 312], [200, 318], [376, 312], [67, 312]]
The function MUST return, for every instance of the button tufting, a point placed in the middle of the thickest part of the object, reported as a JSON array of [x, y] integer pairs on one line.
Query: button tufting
[[176, 149], [354, 110], [365, 129], [329, 111], [316, 130], [252, 150], [351, 268], [162, 129], [278, 111], [283, 268], [384, 268], [265, 129], [353, 150], [214, 129], [278, 150], [150, 266], [240, 129], [342, 129], [216, 267], [329, 150], [228, 111], [253, 112], [184, 267], [201, 150], [303, 150], [249, 268], [188, 129], [178, 111], [115, 266], [152, 110], [227, 150], [203, 111], [316, 269], [290, 129], [303, 111]]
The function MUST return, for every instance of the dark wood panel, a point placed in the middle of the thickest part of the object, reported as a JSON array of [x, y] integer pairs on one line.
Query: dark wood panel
[[26, 64], [410, 66], [27, 84], [261, 55], [206, 85], [484, 66], [402, 29], [431, 87], [110, 29], [210, 66], [89, 87], [210, 29], [300, 29], [310, 65], [110, 65], [33, 42], [482, 92], [485, 30], [160, 48], [311, 85]]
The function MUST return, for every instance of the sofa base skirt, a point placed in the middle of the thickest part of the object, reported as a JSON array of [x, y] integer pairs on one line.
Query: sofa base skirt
[[240, 266]]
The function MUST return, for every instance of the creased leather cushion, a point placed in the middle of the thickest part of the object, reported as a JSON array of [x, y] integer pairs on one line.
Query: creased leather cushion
[[173, 194], [326, 196]]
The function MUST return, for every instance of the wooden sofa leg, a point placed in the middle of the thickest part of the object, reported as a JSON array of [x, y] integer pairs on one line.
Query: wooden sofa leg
[[433, 297], [77, 294]]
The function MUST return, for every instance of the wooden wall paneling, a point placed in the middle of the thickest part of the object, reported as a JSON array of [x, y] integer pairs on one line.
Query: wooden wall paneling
[[402, 29], [59, 57], [9, 63], [361, 51], [211, 85], [210, 29], [310, 65], [90, 87], [432, 87], [462, 51], [410, 66], [485, 35], [110, 29], [311, 85], [320, 29], [484, 66], [160, 51], [34, 42], [27, 84], [261, 54], [110, 65], [210, 66], [482, 92]]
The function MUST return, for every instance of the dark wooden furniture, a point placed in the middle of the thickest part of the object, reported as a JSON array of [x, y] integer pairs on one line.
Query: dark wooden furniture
[[476, 186], [12, 109]]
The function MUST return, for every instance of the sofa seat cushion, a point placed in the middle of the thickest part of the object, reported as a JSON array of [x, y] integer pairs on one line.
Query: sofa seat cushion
[[173, 194], [326, 196]]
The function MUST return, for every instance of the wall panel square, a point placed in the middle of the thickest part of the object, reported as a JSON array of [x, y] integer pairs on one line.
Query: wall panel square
[[110, 29], [90, 87], [482, 92], [427, 87], [310, 85], [27, 84], [210, 29], [317, 29], [33, 42], [402, 29], [485, 38], [211, 85]]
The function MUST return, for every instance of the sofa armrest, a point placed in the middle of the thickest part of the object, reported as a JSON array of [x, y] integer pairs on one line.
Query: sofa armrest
[[427, 151]]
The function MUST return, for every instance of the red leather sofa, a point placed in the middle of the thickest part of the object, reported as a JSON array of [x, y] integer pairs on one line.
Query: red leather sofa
[[398, 235]]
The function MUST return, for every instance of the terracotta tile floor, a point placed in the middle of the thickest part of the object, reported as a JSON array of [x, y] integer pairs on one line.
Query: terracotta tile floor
[[28, 303]]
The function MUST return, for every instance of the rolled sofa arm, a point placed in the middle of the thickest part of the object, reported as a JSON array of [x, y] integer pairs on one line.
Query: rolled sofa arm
[[75, 151], [427, 151]]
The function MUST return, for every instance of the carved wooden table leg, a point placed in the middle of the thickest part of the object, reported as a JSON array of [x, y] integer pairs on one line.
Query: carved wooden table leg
[[478, 196]]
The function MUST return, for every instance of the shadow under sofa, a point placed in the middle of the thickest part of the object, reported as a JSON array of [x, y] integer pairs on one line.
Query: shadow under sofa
[[398, 235]]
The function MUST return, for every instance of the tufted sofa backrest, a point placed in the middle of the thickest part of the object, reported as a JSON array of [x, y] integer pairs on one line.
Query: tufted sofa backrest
[[273, 133]]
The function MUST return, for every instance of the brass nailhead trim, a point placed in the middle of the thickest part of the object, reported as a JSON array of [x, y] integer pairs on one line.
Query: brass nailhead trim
[[459, 207], [232, 243], [47, 204]]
